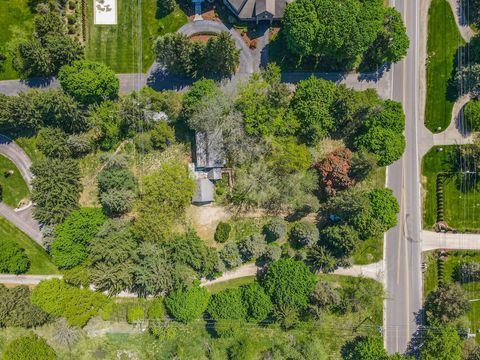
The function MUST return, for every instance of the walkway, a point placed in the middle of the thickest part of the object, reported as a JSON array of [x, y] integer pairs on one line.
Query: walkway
[[433, 240], [25, 279]]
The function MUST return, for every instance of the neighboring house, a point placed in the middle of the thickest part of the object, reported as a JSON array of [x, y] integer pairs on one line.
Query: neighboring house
[[209, 162], [257, 10]]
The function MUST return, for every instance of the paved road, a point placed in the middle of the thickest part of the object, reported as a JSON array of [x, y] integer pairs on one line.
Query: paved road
[[402, 243], [25, 279]]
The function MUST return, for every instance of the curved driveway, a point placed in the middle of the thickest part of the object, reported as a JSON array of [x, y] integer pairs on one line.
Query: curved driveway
[[21, 219], [207, 26]]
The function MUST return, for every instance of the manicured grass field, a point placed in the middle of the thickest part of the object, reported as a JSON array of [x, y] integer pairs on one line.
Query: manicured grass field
[[14, 187], [119, 46], [462, 209], [15, 23], [443, 41], [473, 288], [40, 263]]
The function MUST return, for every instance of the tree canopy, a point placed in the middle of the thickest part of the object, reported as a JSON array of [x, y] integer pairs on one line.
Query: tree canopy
[[187, 305], [29, 346]]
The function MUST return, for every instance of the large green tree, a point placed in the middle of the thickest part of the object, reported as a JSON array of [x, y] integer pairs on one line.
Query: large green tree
[[89, 82], [365, 348], [441, 343], [187, 305], [56, 189], [17, 310], [446, 304], [289, 283], [29, 346], [13, 259]]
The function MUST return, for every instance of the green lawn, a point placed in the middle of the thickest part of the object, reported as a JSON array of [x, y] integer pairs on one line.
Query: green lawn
[[15, 23], [28, 144], [462, 209], [443, 41], [218, 287], [472, 288], [118, 46], [40, 263], [14, 187]]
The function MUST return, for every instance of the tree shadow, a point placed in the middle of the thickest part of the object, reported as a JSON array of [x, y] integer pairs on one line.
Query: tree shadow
[[39, 82]]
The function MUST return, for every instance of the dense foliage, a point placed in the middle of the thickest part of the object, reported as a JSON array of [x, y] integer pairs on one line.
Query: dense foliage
[[17, 310], [30, 346], [187, 305], [13, 259]]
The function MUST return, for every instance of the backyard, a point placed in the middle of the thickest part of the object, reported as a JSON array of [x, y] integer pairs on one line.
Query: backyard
[[443, 41], [460, 207], [473, 288], [40, 263], [118, 45], [14, 188], [16, 19]]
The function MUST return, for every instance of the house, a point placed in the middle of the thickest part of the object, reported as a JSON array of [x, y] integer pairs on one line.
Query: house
[[257, 10], [209, 161]]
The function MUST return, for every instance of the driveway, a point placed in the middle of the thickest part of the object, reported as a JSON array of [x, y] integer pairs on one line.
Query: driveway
[[207, 26]]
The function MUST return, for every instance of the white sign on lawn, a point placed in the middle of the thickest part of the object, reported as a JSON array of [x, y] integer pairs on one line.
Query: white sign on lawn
[[105, 12]]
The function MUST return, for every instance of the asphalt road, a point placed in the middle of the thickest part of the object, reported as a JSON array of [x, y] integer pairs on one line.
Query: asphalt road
[[402, 244]]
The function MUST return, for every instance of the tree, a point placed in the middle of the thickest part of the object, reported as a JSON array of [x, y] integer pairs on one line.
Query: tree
[[110, 255], [117, 202], [252, 247], [341, 240], [304, 234], [311, 105], [162, 135], [275, 229], [273, 252], [17, 310], [289, 282], [471, 115], [174, 50], [384, 206], [441, 343], [392, 41], [89, 82], [13, 259], [166, 193], [72, 237], [155, 272], [221, 55], [467, 80], [29, 346], [337, 39], [53, 143], [116, 178], [227, 305], [466, 272], [60, 299], [189, 249], [446, 304], [105, 119], [320, 259], [230, 255], [334, 171], [187, 305], [288, 156], [199, 91], [364, 348], [256, 301], [387, 144], [325, 296], [58, 177], [65, 334], [165, 7]]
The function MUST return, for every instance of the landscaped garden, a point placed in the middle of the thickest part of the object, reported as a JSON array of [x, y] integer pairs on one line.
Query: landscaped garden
[[127, 46], [16, 20], [458, 188], [444, 40]]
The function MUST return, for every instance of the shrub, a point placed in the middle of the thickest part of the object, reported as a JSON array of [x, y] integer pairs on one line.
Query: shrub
[[187, 305], [222, 232], [230, 255], [304, 234], [117, 202], [30, 347], [116, 179], [156, 310], [13, 259], [135, 314], [162, 135], [289, 282], [227, 304], [273, 252], [226, 328], [275, 229], [257, 302], [467, 272], [252, 246]]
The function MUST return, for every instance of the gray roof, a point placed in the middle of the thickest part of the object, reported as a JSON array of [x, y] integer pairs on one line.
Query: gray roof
[[204, 192], [251, 9], [209, 151]]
